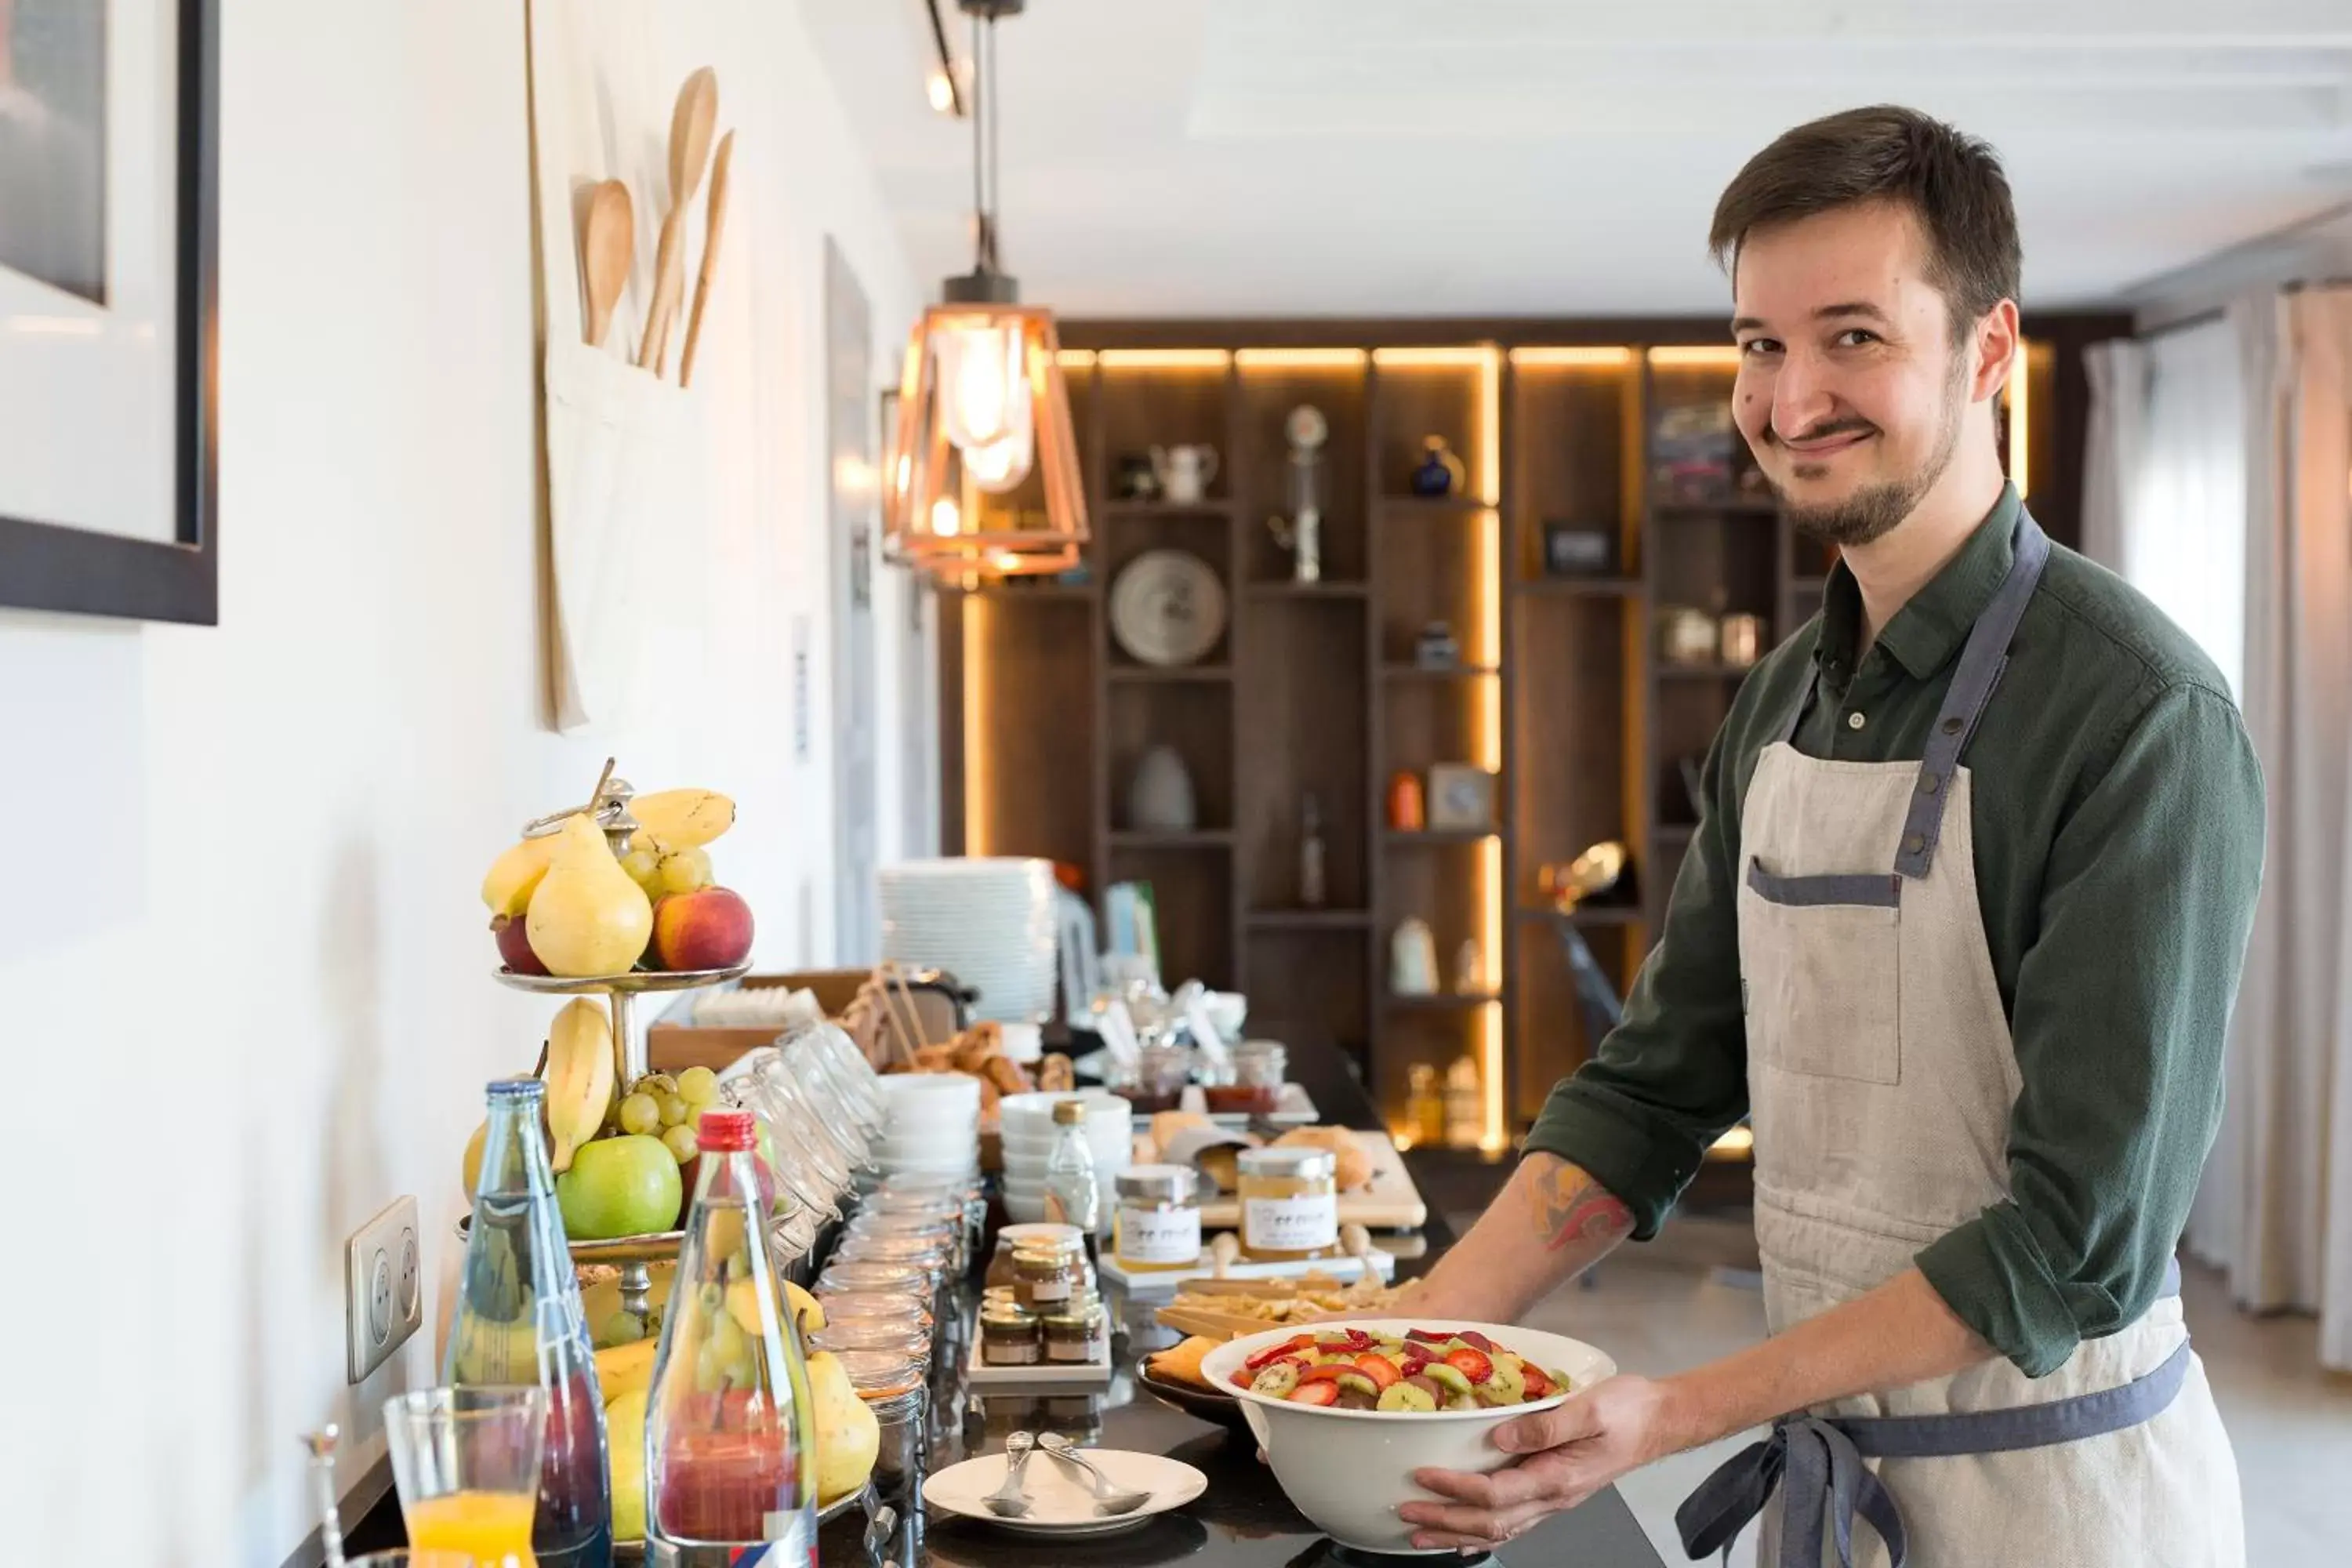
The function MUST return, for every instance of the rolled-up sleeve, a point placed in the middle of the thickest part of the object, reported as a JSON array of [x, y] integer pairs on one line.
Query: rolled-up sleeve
[[2121, 1013], [1672, 1077]]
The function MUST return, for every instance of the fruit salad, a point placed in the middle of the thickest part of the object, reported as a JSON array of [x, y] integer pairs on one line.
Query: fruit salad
[[1426, 1369]]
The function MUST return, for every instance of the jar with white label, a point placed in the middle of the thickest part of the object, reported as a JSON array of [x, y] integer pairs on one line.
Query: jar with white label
[[1290, 1203], [1158, 1227]]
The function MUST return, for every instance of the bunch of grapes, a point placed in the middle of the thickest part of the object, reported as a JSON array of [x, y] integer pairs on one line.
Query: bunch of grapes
[[669, 1107]]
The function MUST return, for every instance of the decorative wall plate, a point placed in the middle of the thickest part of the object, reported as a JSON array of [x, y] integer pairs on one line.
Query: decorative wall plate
[[1168, 607]]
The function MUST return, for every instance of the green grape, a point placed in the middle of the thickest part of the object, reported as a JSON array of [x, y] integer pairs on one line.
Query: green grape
[[656, 1083], [673, 1109], [681, 871], [698, 1086], [639, 1114], [682, 1144], [644, 867], [621, 1329], [710, 1371], [710, 1297]]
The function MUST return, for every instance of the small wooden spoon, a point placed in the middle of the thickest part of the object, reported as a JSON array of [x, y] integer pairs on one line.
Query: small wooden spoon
[[606, 248], [690, 125], [718, 227]]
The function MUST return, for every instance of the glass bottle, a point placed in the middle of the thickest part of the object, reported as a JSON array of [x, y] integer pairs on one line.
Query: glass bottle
[[519, 1321], [1073, 1195], [729, 1443], [1310, 855]]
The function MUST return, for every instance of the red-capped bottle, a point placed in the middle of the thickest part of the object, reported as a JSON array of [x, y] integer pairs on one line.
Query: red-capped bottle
[[730, 1471]]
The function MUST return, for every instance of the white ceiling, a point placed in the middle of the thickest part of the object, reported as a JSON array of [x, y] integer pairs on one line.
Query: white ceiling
[[1556, 157]]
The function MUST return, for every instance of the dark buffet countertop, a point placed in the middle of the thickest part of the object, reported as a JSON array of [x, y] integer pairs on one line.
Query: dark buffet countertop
[[1242, 1521]]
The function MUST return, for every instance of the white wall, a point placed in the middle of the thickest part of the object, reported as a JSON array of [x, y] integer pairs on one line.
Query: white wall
[[244, 979]]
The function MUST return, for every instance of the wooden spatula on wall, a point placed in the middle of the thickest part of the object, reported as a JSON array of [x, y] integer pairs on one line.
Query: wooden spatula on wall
[[719, 163], [607, 245], [691, 126]]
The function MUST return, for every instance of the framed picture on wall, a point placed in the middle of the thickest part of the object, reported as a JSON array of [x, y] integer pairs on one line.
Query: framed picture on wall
[[108, 182]]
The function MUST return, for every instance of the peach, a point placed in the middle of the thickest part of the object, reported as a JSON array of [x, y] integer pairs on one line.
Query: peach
[[709, 927]]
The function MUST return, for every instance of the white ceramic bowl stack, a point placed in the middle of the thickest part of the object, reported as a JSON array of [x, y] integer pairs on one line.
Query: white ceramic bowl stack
[[930, 1125], [1027, 1121], [989, 923]]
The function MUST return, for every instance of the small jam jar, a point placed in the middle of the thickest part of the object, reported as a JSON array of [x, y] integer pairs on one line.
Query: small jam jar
[[1013, 1237], [1158, 1227], [1045, 1275], [1009, 1335], [1290, 1202], [1259, 1069], [1077, 1335]]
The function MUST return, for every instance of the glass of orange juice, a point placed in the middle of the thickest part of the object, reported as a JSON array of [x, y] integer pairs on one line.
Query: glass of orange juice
[[465, 1461]]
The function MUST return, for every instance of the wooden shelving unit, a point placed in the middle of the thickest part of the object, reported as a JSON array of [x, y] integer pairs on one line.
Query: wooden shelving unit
[[1313, 688]]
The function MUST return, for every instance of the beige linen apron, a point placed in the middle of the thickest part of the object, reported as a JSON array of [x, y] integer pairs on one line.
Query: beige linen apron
[[1881, 1077]]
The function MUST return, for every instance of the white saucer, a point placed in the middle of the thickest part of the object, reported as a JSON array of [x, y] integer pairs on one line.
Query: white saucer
[[1060, 1502]]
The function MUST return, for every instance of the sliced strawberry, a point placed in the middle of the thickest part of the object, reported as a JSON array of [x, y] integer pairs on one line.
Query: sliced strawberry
[[1476, 1365], [1276, 1353], [1539, 1386], [1379, 1368], [1320, 1392], [1433, 1335], [1239, 1380], [1328, 1371]]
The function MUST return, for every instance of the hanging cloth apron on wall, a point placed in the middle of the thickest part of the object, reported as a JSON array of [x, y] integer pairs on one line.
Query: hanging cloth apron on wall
[[1881, 1077]]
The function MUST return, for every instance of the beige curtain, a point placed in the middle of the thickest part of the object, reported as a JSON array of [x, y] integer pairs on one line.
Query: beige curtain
[[2114, 449], [2277, 1206]]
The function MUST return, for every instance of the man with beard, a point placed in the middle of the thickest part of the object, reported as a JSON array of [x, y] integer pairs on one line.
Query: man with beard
[[1959, 932]]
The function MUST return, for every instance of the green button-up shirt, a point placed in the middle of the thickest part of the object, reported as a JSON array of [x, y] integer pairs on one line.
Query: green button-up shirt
[[2118, 826]]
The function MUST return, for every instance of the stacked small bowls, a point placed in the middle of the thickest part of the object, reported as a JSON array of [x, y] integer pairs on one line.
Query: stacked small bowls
[[930, 1125]]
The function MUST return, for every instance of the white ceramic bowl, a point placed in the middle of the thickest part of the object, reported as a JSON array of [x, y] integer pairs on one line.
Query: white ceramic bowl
[[1349, 1470], [1034, 1114], [924, 1094]]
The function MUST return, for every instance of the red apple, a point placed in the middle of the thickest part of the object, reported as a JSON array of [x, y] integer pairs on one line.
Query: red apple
[[709, 927], [514, 945]]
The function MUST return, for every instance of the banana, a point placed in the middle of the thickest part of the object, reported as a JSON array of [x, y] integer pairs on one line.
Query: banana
[[622, 1370], [680, 819], [579, 1077], [514, 875]]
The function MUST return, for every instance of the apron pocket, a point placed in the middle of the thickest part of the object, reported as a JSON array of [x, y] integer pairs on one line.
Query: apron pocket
[[1822, 974]]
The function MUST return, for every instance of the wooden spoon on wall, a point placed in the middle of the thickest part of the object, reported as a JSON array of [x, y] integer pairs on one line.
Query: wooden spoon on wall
[[690, 125], [606, 248], [719, 162]]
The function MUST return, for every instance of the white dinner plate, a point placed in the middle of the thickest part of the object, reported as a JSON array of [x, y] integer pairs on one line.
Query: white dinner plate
[[1060, 1502]]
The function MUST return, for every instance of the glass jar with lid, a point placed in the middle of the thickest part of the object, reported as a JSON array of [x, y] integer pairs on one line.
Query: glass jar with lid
[[1255, 1089], [1158, 1225], [933, 1255], [1009, 1335], [891, 1386], [1011, 1238], [850, 1274], [1290, 1202], [877, 1306], [1077, 1333], [873, 1334], [1047, 1274]]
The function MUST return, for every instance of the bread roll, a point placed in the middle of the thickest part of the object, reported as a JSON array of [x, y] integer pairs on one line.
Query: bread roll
[[1355, 1166]]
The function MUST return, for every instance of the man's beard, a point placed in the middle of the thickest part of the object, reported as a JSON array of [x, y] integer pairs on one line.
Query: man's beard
[[1871, 511]]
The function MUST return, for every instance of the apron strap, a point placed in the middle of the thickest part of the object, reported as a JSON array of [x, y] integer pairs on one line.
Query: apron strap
[[1818, 1459], [1983, 659]]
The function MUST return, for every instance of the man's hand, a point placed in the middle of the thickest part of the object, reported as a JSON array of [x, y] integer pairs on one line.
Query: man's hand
[[1570, 1452]]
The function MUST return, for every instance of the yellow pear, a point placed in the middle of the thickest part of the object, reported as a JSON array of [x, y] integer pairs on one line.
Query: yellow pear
[[625, 1369], [515, 875], [624, 1445], [743, 1306], [587, 916], [848, 1438], [473, 1161], [805, 1309]]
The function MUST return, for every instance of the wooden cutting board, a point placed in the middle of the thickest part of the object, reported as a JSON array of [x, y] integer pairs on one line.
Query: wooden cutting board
[[1387, 1202]]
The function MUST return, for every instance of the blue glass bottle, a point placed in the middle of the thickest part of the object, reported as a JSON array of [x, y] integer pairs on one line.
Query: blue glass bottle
[[519, 1321]]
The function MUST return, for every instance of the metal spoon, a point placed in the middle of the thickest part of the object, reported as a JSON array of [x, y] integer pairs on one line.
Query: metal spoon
[[1009, 1501], [1110, 1498]]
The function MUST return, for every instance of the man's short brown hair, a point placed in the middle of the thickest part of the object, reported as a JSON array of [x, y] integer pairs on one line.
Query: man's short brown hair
[[1951, 182]]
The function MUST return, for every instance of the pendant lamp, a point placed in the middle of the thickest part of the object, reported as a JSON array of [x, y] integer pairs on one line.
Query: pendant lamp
[[984, 481]]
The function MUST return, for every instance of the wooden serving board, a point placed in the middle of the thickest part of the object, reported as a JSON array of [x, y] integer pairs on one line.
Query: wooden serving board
[[1387, 1202]]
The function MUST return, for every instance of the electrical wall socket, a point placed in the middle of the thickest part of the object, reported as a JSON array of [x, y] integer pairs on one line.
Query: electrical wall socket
[[384, 1286]]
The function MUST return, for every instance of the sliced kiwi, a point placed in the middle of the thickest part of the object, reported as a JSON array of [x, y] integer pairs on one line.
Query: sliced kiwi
[[1510, 1382], [1275, 1380], [1448, 1378], [1406, 1396]]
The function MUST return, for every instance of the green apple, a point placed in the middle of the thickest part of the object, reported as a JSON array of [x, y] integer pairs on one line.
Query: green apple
[[618, 1187]]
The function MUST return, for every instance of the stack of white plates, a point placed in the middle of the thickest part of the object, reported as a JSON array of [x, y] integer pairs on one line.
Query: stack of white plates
[[989, 923], [930, 1125], [1029, 1135]]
